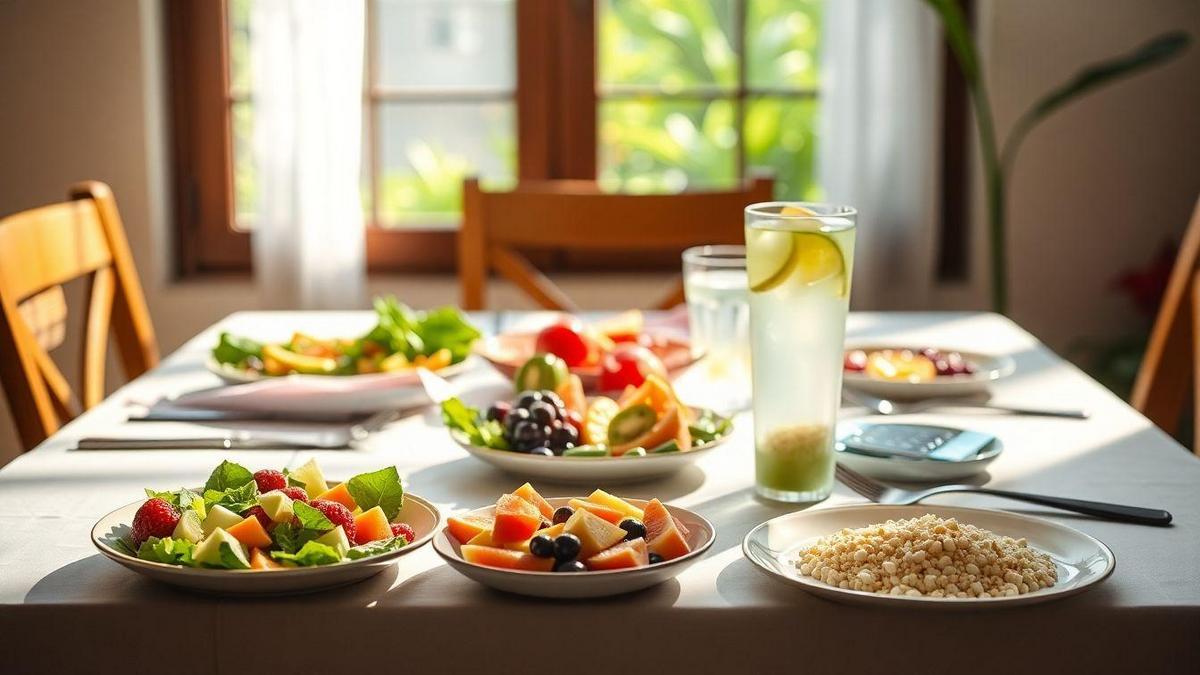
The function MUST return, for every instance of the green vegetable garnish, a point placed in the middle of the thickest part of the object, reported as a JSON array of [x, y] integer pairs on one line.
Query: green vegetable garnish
[[376, 547], [312, 553], [479, 432]]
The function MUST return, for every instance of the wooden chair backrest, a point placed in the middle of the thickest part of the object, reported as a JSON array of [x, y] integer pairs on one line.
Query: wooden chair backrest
[[1171, 367], [577, 215], [40, 250]]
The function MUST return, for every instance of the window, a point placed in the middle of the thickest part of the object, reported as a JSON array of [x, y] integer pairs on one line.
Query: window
[[644, 95]]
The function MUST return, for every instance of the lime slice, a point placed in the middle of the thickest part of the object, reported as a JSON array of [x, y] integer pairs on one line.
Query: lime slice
[[770, 256]]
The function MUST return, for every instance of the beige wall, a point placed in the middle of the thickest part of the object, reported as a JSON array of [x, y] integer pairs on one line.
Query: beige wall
[[1095, 190], [1101, 185]]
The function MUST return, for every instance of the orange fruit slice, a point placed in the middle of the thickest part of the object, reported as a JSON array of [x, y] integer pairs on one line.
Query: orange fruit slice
[[627, 554]]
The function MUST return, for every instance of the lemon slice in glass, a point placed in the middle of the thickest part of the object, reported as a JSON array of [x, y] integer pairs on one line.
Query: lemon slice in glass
[[775, 255]]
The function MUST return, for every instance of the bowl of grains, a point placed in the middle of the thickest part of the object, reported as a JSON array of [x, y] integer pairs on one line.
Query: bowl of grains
[[928, 556]]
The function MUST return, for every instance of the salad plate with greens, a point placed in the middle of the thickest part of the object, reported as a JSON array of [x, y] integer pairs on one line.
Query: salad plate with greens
[[402, 340], [268, 532]]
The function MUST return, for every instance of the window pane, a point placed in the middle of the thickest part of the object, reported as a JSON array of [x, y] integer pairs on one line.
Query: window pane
[[780, 136], [445, 43], [674, 44], [429, 148], [239, 45], [245, 180], [667, 146], [781, 43]]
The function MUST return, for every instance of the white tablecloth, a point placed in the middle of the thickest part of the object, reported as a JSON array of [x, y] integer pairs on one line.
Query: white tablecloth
[[64, 608]]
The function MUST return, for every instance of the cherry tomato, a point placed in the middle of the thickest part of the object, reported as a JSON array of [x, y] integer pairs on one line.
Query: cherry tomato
[[564, 340], [628, 365]]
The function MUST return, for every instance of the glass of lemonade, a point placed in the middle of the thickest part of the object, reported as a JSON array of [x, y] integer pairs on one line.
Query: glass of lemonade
[[714, 282], [799, 259]]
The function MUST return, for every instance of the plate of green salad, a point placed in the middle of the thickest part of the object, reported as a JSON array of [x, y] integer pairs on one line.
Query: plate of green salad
[[402, 340], [269, 532]]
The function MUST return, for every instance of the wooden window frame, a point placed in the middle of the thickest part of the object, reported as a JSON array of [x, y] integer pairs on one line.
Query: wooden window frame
[[556, 131], [556, 97]]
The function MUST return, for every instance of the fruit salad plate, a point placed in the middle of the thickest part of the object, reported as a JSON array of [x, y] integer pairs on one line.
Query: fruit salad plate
[[562, 436], [899, 372], [516, 570], [508, 352], [590, 470], [229, 551], [1080, 560]]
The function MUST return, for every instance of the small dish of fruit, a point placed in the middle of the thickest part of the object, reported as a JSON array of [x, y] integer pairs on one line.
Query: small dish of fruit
[[588, 546], [269, 523], [607, 356], [926, 371]]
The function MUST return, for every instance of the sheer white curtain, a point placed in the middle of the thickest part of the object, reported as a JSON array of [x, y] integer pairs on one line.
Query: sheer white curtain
[[306, 62], [879, 141]]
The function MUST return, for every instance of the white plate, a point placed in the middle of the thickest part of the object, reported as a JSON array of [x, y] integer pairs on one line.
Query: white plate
[[989, 368], [231, 374], [914, 470], [587, 470], [1081, 560], [419, 513], [581, 584]]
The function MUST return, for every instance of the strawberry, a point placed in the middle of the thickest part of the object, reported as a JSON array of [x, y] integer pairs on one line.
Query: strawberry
[[270, 479], [405, 530], [337, 514], [296, 493], [155, 518]]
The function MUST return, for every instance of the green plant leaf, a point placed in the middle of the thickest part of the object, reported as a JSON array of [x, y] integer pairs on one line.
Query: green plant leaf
[[312, 553], [376, 548], [1159, 50]]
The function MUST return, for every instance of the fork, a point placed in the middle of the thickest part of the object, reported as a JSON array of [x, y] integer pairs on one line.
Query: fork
[[883, 406], [885, 494]]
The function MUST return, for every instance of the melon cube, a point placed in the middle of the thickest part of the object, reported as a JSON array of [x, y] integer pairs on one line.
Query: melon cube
[[595, 534], [219, 517], [516, 520], [276, 505], [627, 554]]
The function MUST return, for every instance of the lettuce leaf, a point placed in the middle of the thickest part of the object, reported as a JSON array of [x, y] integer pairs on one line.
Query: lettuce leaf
[[182, 499], [479, 432], [236, 350], [235, 499], [447, 328], [228, 475], [380, 488], [376, 548], [168, 550], [312, 553]]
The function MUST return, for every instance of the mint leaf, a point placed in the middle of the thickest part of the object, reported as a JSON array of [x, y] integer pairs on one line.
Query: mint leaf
[[228, 475], [290, 538], [376, 548], [235, 499], [310, 518], [168, 550], [380, 488], [312, 553]]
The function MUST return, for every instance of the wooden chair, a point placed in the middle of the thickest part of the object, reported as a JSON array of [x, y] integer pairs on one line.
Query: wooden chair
[[1171, 367], [578, 216], [40, 250]]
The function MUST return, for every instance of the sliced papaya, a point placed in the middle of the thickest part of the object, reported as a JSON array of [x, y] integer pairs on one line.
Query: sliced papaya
[[516, 520], [663, 536], [506, 559], [571, 392], [610, 514], [262, 561], [613, 502]]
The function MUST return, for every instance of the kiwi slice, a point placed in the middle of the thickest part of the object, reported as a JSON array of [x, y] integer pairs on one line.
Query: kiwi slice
[[631, 423]]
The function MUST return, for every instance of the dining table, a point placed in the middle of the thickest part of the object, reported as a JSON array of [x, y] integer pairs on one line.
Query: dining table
[[66, 608]]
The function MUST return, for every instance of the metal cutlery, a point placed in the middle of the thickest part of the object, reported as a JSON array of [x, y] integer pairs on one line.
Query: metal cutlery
[[275, 439], [883, 406], [885, 494]]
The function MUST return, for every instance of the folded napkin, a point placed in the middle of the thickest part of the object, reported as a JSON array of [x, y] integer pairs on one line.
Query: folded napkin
[[314, 394]]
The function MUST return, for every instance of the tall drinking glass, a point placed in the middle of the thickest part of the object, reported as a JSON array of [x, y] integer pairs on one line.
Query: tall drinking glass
[[714, 282], [799, 259]]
